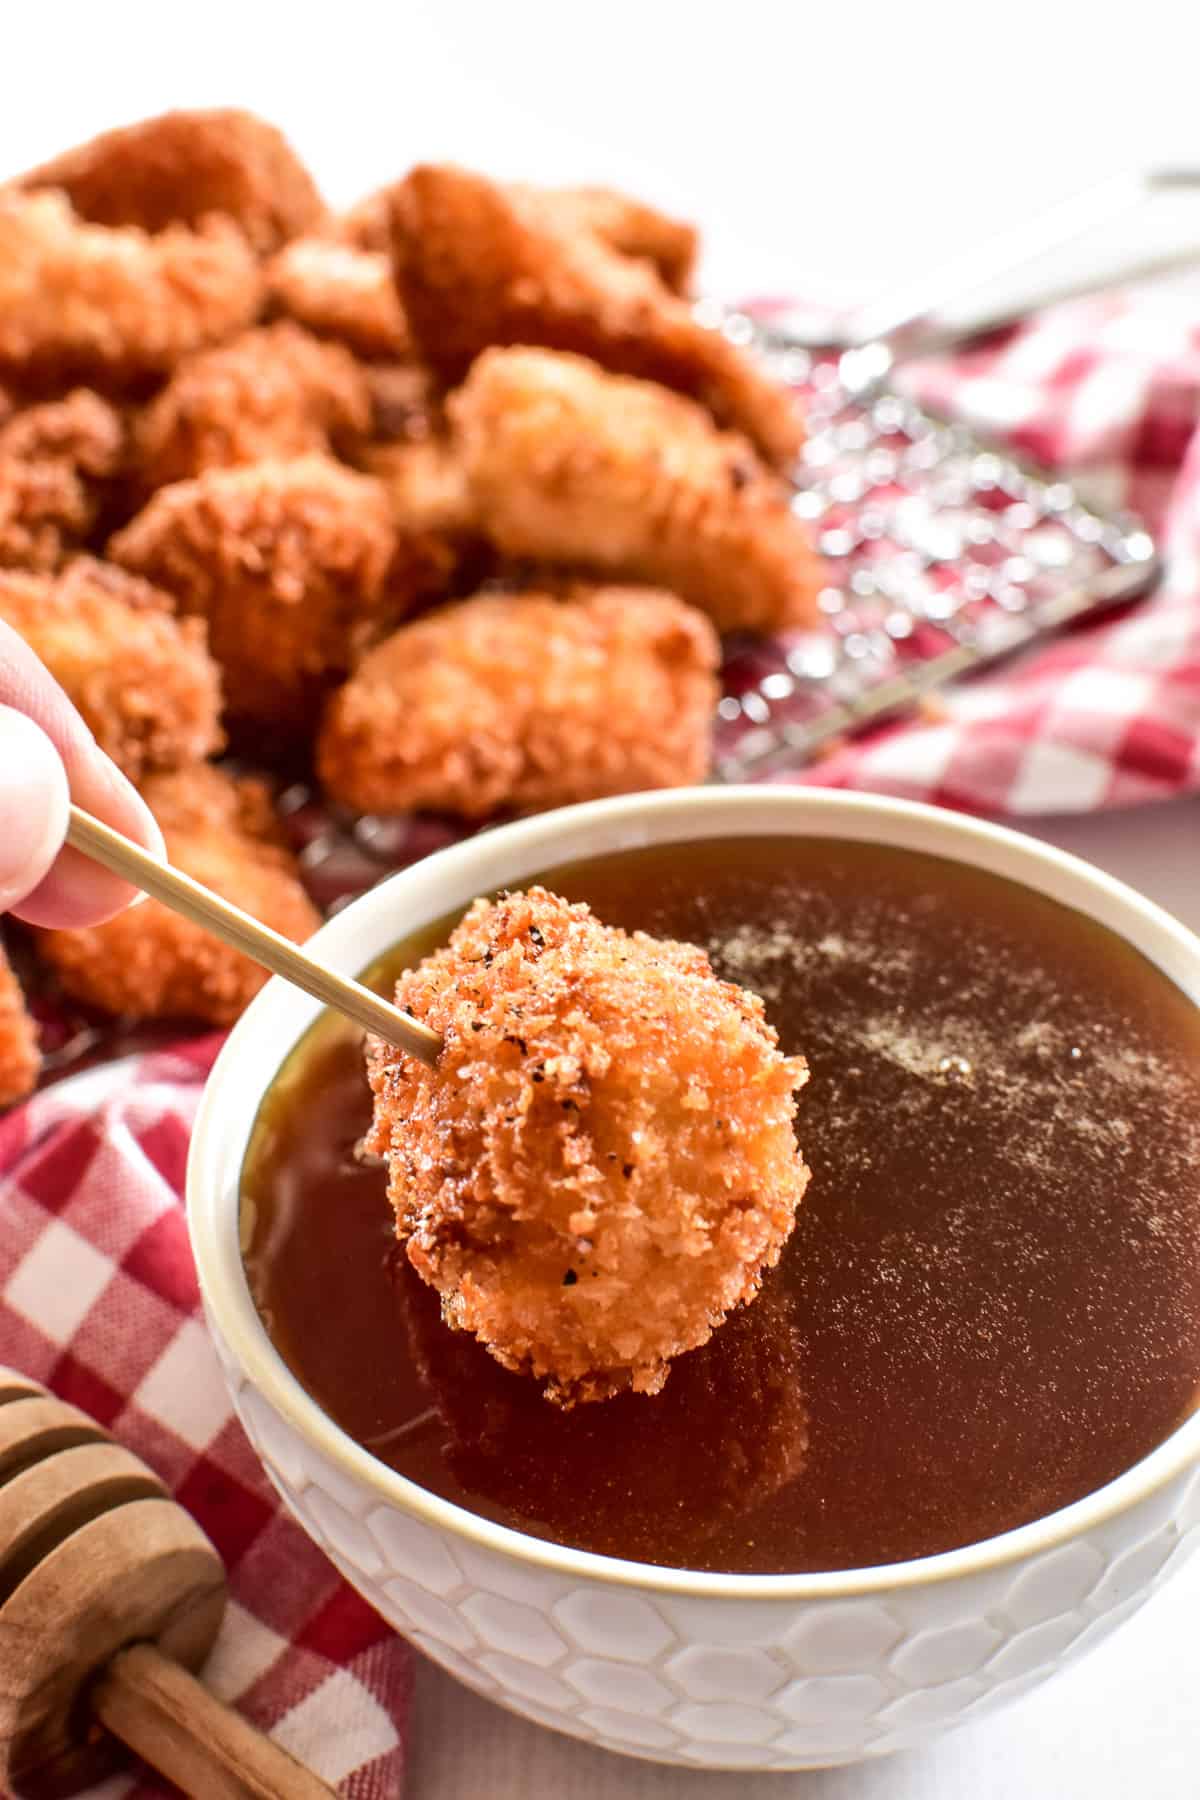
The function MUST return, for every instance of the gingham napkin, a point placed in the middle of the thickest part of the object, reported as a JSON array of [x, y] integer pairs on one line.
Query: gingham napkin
[[1109, 391], [98, 1300]]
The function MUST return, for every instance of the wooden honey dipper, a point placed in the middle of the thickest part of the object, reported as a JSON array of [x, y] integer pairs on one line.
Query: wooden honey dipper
[[110, 1594]]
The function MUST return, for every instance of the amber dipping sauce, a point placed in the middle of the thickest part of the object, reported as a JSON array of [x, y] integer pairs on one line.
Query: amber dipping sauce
[[990, 1304]]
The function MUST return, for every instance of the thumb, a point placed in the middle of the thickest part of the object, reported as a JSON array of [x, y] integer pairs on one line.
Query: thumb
[[33, 806], [40, 880]]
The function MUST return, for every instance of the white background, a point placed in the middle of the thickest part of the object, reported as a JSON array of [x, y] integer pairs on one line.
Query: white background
[[831, 151]]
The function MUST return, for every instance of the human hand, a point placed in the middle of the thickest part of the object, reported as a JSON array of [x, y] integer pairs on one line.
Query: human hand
[[48, 758]]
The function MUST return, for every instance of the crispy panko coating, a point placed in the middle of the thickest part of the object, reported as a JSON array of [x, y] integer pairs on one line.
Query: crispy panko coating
[[20, 1057], [341, 292], [56, 461], [180, 166], [114, 303], [150, 963], [602, 1163], [296, 565], [81, 429], [142, 679], [431, 500], [477, 264], [275, 391], [570, 464], [525, 701], [628, 226]]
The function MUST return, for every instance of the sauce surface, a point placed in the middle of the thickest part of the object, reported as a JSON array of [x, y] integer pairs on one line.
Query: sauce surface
[[990, 1303]]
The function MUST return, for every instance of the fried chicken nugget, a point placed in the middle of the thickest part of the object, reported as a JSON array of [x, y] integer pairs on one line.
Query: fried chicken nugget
[[81, 429], [142, 679], [602, 1163], [296, 565], [150, 963], [180, 166], [628, 226], [276, 391], [20, 1057], [340, 292], [477, 264], [567, 463], [525, 701], [56, 461], [431, 499], [93, 301]]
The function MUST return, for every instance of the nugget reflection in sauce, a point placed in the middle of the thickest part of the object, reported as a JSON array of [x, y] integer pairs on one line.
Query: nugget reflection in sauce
[[602, 1163]]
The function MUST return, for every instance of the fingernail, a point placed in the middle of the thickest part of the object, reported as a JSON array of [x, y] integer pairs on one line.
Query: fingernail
[[113, 798], [33, 806]]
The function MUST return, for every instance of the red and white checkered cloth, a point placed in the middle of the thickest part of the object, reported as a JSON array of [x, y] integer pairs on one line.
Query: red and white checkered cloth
[[97, 1293], [98, 1300], [1107, 390]]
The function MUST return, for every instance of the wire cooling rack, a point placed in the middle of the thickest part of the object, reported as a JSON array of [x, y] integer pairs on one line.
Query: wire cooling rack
[[944, 556]]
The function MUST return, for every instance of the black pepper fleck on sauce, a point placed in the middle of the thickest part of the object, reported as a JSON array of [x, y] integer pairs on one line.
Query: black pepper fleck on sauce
[[627, 1170], [570, 1278]]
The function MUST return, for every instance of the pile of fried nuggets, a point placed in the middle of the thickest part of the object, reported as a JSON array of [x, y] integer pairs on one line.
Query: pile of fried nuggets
[[451, 493]]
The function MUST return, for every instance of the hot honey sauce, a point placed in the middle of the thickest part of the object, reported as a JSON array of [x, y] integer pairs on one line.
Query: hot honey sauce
[[989, 1305]]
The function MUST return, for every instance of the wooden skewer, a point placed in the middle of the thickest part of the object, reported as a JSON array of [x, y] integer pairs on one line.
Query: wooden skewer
[[192, 900]]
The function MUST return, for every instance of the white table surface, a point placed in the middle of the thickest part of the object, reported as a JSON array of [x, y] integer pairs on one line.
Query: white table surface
[[835, 152]]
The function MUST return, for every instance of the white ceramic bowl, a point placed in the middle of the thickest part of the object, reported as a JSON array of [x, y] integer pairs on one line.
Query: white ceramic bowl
[[715, 1671]]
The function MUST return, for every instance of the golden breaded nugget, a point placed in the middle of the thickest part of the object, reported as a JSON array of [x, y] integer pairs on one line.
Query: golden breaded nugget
[[81, 429], [275, 391], [427, 486], [406, 402], [142, 679], [94, 301], [56, 460], [296, 565], [427, 483], [20, 1057], [602, 1163], [180, 166], [367, 225], [477, 264], [569, 464], [44, 509], [150, 963], [628, 226], [525, 701], [340, 292]]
